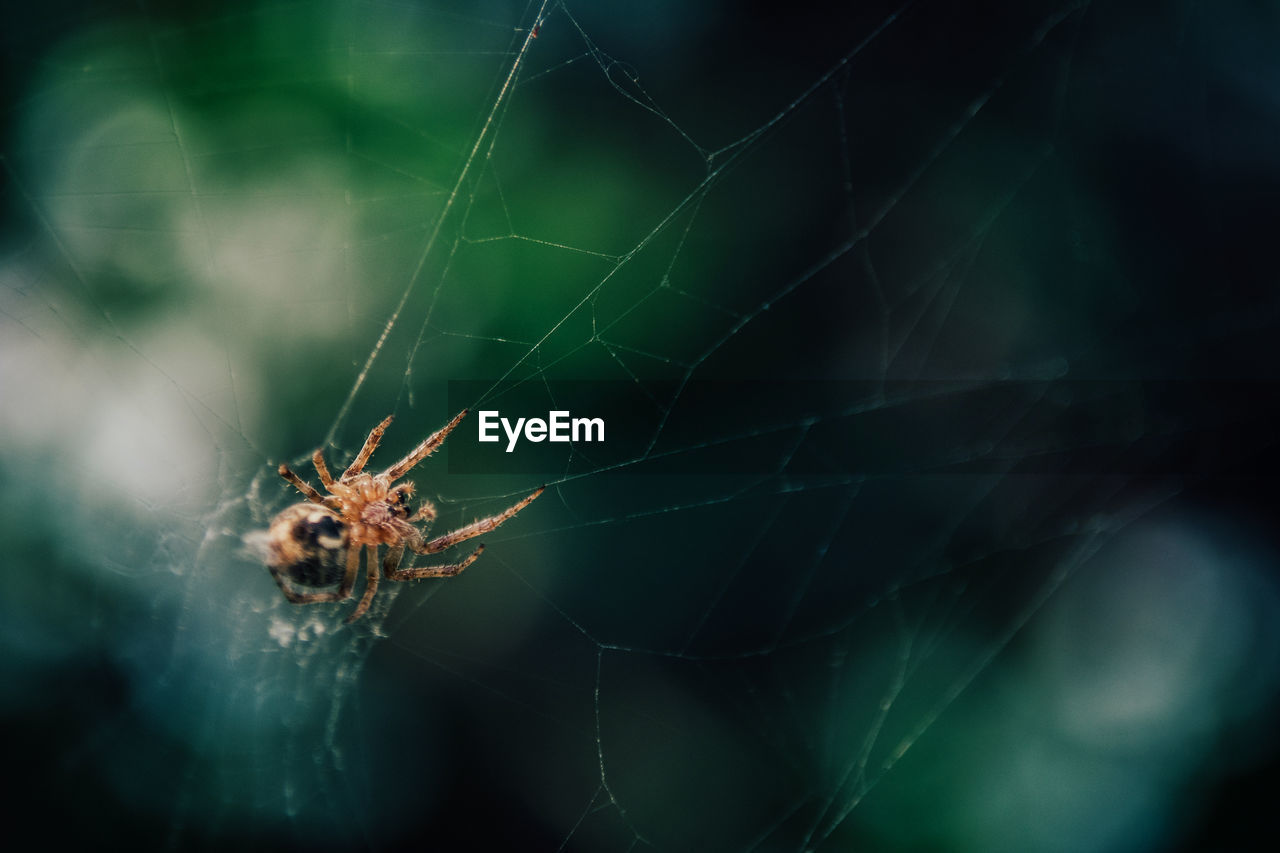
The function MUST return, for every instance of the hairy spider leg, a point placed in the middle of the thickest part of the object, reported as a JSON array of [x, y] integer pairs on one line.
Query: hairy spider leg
[[326, 480], [370, 444], [422, 451], [391, 562], [475, 528], [306, 489], [419, 572], [371, 582], [426, 512]]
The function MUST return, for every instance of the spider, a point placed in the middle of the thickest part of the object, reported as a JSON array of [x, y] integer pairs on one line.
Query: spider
[[318, 543]]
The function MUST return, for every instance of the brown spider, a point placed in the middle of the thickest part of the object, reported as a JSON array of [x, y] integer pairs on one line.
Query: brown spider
[[314, 544]]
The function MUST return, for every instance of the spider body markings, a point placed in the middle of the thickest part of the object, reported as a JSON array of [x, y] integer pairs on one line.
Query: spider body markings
[[318, 543]]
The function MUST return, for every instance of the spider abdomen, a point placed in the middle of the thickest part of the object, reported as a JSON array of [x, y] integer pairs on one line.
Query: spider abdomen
[[309, 544]]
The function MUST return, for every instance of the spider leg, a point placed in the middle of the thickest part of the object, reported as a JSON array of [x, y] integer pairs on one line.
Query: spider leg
[[426, 512], [391, 562], [311, 494], [422, 451], [322, 469], [475, 528], [371, 586], [370, 443], [349, 576], [342, 593], [419, 572]]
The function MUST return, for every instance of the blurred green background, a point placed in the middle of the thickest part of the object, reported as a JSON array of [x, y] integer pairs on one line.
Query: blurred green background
[[1044, 620]]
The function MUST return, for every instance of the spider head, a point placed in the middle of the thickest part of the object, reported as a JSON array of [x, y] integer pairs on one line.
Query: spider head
[[308, 543], [398, 500]]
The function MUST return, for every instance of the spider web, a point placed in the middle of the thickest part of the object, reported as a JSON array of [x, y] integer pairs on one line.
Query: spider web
[[977, 556]]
